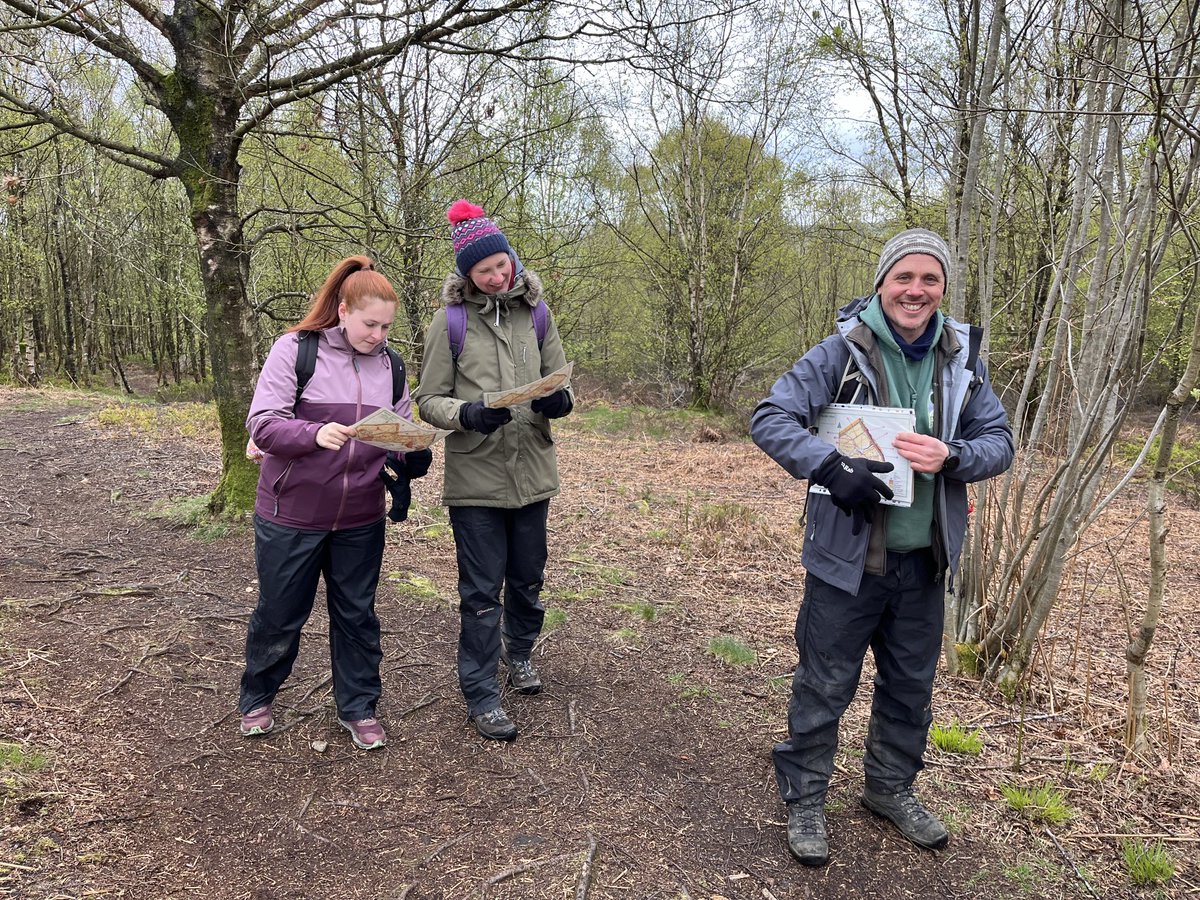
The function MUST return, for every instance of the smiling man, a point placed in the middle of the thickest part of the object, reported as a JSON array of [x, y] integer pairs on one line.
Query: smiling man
[[875, 574]]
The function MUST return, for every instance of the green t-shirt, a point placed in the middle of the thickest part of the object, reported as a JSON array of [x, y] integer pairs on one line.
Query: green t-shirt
[[910, 385]]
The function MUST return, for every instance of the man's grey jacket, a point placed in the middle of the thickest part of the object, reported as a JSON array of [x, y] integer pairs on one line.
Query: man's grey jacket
[[967, 415]]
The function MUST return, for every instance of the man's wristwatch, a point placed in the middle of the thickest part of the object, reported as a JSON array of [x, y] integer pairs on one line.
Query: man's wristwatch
[[951, 462]]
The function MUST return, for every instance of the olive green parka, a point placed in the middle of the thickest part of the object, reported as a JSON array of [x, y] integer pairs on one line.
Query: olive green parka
[[515, 465]]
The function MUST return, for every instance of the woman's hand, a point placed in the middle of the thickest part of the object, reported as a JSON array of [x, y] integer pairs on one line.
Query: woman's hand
[[333, 436]]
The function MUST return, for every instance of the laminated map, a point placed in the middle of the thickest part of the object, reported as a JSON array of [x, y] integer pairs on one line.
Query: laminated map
[[543, 387], [383, 428], [867, 432]]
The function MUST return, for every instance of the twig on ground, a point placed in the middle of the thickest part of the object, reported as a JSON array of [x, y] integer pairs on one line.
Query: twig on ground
[[1070, 862], [420, 704], [528, 867], [571, 715], [446, 845], [585, 874], [136, 667]]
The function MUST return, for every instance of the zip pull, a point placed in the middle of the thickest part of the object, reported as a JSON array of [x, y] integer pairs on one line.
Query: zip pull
[[497, 315]]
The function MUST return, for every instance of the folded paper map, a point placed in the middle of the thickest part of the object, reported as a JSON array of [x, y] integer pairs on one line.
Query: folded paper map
[[383, 428], [867, 432], [543, 387]]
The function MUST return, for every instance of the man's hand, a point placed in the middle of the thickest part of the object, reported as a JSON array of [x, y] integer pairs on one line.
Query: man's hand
[[333, 436], [477, 417], [924, 453], [852, 485]]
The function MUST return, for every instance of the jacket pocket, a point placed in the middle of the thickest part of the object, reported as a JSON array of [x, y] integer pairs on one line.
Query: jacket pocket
[[464, 441]]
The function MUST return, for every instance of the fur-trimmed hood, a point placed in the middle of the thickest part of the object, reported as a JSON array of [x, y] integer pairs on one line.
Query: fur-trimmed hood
[[460, 289]]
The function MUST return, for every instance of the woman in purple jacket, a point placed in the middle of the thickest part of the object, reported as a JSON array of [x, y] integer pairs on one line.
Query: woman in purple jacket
[[320, 505]]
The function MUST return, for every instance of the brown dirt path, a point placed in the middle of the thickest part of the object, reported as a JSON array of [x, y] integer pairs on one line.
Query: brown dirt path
[[645, 764]]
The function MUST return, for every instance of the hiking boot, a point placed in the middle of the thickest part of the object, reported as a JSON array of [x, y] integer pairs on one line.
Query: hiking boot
[[367, 734], [521, 673], [495, 725], [905, 811], [806, 835], [257, 722]]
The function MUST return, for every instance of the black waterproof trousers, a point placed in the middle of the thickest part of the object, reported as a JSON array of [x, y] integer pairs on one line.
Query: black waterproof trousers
[[899, 616], [497, 548], [290, 561]]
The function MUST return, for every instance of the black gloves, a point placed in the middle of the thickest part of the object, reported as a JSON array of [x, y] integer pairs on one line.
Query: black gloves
[[555, 406], [416, 462], [477, 417], [852, 485], [395, 479]]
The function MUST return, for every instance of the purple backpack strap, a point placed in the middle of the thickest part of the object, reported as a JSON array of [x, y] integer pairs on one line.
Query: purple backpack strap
[[541, 321], [456, 328], [456, 325]]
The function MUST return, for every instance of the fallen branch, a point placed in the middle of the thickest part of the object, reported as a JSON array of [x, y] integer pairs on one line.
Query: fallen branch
[[135, 669], [425, 701], [1070, 862], [528, 867], [585, 874]]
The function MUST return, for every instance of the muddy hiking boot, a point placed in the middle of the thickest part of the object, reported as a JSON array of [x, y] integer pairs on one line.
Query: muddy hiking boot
[[521, 673], [907, 813], [806, 835], [495, 725]]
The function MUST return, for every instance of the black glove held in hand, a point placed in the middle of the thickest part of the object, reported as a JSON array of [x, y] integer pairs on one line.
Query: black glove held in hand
[[477, 417], [555, 406], [416, 463], [397, 484], [852, 485]]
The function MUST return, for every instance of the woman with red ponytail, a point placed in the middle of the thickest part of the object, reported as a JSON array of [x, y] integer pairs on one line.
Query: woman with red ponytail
[[501, 469], [320, 504]]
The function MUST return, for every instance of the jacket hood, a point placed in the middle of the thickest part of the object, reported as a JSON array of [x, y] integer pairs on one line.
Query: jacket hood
[[460, 289]]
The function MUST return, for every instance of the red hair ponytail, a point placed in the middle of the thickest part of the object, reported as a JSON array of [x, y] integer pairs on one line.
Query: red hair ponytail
[[354, 282]]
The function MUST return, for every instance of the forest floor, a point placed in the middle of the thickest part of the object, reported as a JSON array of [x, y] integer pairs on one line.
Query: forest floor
[[644, 769]]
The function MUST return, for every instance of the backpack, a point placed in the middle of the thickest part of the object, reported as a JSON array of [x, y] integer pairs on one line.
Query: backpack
[[306, 364], [853, 382], [456, 326]]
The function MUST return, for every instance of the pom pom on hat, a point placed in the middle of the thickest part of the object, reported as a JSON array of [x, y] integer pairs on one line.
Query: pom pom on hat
[[473, 235], [463, 209]]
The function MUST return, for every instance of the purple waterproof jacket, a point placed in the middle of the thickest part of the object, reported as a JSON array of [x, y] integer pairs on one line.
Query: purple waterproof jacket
[[304, 486]]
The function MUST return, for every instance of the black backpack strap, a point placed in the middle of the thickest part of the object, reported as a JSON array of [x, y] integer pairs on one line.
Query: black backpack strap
[[399, 376], [974, 342], [306, 360]]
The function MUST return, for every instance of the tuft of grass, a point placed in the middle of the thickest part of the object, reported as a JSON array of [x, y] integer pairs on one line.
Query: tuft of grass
[[1041, 804], [643, 609], [657, 422], [780, 684], [192, 513], [555, 618], [624, 636], [1147, 863], [954, 738], [189, 420], [698, 692], [1099, 772], [415, 587], [16, 757], [729, 649]]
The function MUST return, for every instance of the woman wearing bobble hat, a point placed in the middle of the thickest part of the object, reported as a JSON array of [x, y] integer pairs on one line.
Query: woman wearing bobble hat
[[501, 469]]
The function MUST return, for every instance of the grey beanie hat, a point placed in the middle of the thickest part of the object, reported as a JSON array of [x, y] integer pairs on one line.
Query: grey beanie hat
[[914, 240]]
